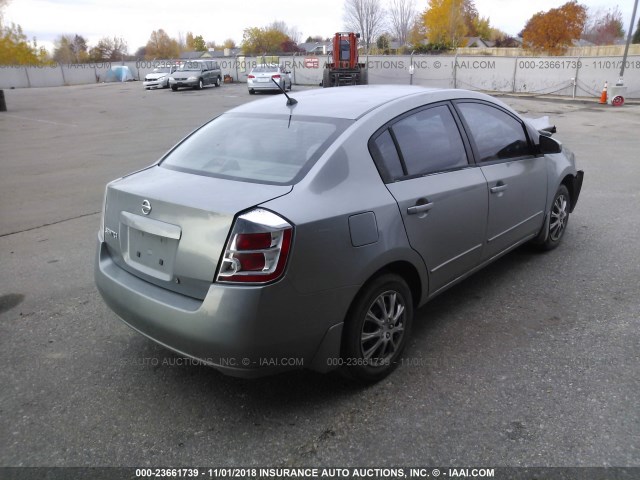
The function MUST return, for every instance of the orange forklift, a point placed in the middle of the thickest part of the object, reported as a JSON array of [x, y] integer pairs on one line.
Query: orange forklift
[[343, 67]]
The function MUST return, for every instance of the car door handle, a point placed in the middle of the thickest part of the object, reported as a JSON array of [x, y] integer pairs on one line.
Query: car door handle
[[425, 207], [500, 187]]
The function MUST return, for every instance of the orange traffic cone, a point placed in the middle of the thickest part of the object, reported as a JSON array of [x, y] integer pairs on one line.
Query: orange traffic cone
[[603, 97]]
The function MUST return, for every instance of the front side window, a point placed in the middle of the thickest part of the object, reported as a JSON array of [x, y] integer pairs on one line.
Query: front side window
[[275, 149], [497, 135], [430, 142]]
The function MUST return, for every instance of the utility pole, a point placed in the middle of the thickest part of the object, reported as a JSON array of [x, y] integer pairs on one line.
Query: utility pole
[[626, 48]]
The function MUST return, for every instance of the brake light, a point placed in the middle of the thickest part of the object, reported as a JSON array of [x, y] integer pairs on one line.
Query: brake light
[[275, 76], [257, 250], [251, 76]]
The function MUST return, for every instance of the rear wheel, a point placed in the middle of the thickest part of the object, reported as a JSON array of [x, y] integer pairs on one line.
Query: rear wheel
[[326, 78], [200, 84], [217, 84], [377, 328], [252, 91], [364, 76]]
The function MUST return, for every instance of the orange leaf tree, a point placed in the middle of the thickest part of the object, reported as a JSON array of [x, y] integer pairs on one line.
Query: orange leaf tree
[[447, 22], [552, 32]]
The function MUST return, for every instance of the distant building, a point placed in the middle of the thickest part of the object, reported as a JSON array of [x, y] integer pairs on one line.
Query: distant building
[[211, 53], [477, 42], [315, 48], [194, 55]]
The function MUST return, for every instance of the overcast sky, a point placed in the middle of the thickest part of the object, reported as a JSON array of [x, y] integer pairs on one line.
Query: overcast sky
[[218, 20]]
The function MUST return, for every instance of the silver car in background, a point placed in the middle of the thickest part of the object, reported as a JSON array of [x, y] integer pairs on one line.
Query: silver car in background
[[159, 78], [311, 241], [269, 77]]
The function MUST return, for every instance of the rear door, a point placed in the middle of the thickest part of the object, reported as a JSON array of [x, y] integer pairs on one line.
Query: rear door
[[442, 197], [516, 177]]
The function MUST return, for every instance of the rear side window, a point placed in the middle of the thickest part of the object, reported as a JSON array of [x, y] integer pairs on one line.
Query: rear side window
[[497, 135], [430, 141], [274, 149], [386, 156]]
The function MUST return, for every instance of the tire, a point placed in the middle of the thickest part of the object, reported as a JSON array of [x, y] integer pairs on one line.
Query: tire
[[376, 329], [326, 78], [200, 85], [174, 88], [217, 84], [364, 76], [558, 218], [291, 86], [252, 91]]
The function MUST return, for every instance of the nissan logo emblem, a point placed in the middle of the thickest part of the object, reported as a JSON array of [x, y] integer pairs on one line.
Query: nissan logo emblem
[[146, 207]]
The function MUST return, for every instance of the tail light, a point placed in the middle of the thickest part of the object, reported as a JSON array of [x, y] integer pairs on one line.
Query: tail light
[[257, 250], [275, 76], [251, 76]]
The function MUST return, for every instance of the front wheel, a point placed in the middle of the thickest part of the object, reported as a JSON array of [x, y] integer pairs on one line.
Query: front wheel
[[200, 84], [174, 88], [377, 328], [558, 218], [217, 84]]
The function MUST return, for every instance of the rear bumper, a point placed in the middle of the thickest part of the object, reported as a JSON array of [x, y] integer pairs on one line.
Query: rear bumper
[[241, 331], [263, 86]]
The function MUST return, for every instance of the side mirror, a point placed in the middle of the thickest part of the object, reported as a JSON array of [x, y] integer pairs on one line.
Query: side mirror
[[549, 145]]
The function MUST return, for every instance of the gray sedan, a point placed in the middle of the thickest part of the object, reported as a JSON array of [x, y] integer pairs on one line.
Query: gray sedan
[[310, 242]]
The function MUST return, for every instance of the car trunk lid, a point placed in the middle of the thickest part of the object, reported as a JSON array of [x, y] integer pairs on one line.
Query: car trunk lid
[[170, 228]]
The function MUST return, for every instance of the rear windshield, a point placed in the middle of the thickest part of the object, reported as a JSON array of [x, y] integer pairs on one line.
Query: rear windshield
[[274, 149], [191, 66], [265, 69]]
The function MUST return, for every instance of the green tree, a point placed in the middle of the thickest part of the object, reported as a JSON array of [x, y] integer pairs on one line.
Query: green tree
[[161, 46], [552, 32], [199, 44], [636, 36], [383, 42]]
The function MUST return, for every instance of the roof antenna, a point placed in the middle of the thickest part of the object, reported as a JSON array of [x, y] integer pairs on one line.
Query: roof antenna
[[290, 101]]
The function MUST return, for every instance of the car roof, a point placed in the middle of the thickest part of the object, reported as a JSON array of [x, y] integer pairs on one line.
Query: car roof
[[350, 102]]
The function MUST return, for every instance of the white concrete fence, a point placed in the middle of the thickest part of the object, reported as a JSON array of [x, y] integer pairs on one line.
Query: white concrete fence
[[570, 76]]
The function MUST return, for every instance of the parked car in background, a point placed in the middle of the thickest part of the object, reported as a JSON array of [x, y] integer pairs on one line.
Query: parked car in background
[[196, 74], [310, 240], [159, 78], [260, 78]]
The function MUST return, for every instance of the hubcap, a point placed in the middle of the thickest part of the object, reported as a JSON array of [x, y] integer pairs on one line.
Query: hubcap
[[558, 218], [383, 328]]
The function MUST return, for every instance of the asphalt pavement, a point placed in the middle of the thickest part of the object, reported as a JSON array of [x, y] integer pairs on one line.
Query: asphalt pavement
[[534, 361]]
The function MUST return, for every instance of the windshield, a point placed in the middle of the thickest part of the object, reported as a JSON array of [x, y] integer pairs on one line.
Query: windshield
[[191, 66], [162, 70], [265, 69], [275, 149]]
